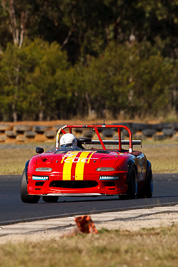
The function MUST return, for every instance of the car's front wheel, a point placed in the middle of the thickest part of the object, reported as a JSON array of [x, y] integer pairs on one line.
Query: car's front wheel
[[25, 197], [148, 187], [132, 185]]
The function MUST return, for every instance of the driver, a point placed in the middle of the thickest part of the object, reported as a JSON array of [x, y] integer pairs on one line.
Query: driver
[[68, 141]]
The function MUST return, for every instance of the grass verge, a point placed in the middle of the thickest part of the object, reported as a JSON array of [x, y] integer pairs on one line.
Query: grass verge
[[163, 156], [148, 247]]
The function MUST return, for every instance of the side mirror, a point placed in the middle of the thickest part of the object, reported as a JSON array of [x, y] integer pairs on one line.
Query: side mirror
[[39, 150]]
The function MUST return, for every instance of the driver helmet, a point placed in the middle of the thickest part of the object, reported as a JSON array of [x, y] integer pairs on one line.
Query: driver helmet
[[68, 139]]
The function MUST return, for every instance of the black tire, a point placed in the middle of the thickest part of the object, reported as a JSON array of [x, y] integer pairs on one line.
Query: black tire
[[132, 185], [149, 132], [40, 128], [139, 126], [25, 197], [30, 134], [50, 134], [157, 127], [107, 132], [159, 137], [168, 132], [148, 187], [88, 133], [50, 199]]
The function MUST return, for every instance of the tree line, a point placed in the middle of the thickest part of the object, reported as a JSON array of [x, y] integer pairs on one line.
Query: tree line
[[66, 58]]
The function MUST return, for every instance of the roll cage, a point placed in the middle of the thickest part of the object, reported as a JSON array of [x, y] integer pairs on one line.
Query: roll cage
[[95, 128]]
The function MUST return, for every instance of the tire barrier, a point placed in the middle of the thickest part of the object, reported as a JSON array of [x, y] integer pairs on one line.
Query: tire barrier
[[50, 134], [139, 126], [159, 137], [42, 133], [168, 132], [40, 129], [88, 133], [175, 126], [4, 128], [11, 134], [157, 127], [148, 132], [107, 132], [21, 128], [30, 134]]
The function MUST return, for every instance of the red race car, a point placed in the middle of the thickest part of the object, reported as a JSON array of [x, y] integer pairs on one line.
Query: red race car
[[75, 168]]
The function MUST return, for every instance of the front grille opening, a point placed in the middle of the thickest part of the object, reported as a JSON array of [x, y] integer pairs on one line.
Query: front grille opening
[[109, 183], [73, 184], [39, 183]]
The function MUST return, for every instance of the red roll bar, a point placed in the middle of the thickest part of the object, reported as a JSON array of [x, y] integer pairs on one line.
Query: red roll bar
[[95, 128]]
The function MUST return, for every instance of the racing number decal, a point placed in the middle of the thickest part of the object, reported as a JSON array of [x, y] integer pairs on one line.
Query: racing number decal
[[70, 158]]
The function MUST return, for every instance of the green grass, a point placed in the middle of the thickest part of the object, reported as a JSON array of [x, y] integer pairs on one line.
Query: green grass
[[163, 156], [148, 247]]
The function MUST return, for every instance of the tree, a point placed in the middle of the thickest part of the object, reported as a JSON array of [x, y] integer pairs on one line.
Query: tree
[[28, 79], [134, 80], [18, 15], [12, 75], [42, 85], [152, 82], [117, 60]]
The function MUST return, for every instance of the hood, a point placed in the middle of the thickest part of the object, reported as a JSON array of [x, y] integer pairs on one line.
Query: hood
[[44, 159], [76, 156], [74, 162]]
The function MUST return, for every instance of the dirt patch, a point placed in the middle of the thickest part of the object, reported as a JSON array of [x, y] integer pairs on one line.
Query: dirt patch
[[75, 121], [132, 220], [57, 122]]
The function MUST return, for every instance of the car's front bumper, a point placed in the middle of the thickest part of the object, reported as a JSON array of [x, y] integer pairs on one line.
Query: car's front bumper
[[91, 185]]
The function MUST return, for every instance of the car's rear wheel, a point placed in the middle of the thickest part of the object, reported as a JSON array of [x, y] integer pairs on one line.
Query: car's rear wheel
[[25, 197], [132, 185], [50, 199], [148, 187]]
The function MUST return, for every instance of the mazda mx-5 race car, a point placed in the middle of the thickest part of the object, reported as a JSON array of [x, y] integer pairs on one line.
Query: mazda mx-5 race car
[[87, 167]]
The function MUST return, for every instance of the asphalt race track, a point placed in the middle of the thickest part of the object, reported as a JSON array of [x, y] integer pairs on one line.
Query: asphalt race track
[[13, 210]]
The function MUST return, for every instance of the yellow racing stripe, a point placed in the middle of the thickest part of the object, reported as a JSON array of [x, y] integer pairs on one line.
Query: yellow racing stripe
[[90, 157], [79, 170], [67, 168]]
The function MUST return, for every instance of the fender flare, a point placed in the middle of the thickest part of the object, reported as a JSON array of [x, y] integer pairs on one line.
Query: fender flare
[[148, 186], [148, 165]]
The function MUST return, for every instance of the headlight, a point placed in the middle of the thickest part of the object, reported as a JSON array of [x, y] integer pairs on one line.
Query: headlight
[[105, 169], [105, 178], [44, 169], [40, 178]]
